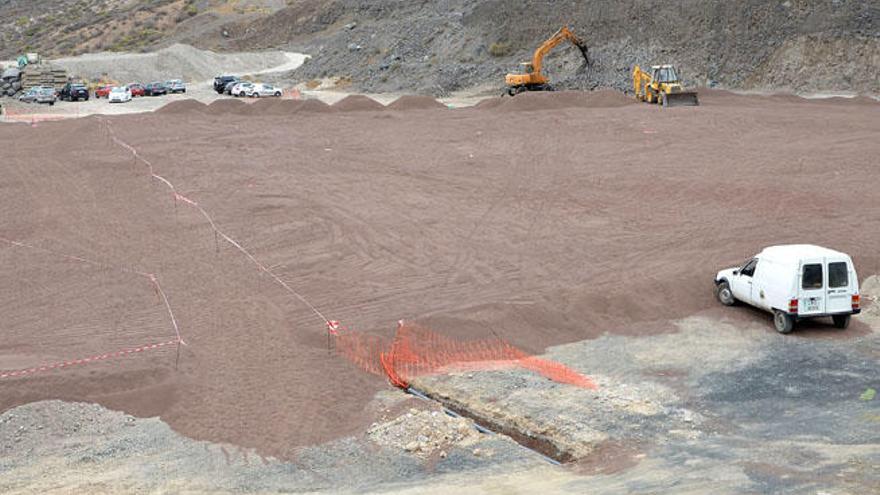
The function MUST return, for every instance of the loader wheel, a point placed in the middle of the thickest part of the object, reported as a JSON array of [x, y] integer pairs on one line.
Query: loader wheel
[[783, 322], [840, 321], [724, 294]]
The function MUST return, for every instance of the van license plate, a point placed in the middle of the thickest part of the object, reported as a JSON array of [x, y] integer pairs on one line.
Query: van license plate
[[811, 304]]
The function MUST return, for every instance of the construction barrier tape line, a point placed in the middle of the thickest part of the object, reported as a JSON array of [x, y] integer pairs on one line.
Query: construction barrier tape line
[[87, 360]]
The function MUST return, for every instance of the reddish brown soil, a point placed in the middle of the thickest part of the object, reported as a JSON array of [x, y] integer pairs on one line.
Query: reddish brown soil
[[415, 102], [225, 106], [183, 106], [541, 101], [356, 103], [568, 224], [315, 106]]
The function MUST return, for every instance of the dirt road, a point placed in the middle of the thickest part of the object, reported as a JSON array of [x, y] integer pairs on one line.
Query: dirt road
[[598, 216]]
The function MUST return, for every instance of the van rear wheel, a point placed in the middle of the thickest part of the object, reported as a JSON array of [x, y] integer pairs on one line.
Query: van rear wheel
[[783, 322], [724, 294], [841, 321]]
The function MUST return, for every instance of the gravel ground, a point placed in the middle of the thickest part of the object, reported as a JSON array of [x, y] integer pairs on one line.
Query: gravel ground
[[720, 401], [722, 398], [60, 447], [175, 62]]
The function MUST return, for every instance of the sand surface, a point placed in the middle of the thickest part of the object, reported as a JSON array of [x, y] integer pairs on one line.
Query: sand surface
[[543, 226]]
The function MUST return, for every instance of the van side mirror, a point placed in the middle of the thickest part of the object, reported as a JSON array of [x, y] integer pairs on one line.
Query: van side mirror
[[736, 272]]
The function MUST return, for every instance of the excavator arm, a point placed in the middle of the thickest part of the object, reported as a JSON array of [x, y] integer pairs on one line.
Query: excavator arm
[[641, 80], [562, 35], [533, 79]]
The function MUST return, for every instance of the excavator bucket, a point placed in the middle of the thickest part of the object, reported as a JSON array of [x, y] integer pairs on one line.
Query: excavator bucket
[[680, 99]]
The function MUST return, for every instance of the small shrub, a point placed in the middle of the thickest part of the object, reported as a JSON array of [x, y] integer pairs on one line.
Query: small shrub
[[191, 10], [22, 21], [499, 49]]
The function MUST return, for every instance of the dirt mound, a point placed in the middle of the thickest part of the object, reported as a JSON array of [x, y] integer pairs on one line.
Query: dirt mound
[[415, 102], [313, 105], [557, 100], [226, 105], [262, 106], [183, 106], [358, 103], [284, 107]]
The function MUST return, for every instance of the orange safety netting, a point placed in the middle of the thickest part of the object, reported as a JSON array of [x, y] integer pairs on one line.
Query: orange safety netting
[[416, 351]]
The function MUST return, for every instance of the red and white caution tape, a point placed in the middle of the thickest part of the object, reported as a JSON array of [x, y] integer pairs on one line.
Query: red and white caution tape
[[87, 360]]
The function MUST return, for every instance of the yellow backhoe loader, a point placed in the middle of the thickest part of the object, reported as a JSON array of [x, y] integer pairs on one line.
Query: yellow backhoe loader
[[533, 79], [662, 86]]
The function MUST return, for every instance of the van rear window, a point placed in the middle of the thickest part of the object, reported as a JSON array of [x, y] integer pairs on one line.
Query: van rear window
[[838, 275], [812, 278]]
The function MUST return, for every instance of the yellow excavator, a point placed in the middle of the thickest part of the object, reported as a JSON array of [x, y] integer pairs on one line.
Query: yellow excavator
[[662, 86], [533, 79]]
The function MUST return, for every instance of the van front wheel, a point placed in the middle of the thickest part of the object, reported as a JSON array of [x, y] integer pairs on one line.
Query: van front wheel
[[783, 322], [724, 294], [841, 321]]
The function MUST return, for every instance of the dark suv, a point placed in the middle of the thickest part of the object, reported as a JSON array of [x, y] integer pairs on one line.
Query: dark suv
[[74, 92], [155, 89], [221, 82]]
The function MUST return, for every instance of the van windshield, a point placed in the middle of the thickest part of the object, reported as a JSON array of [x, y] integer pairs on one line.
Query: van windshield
[[812, 278], [838, 275]]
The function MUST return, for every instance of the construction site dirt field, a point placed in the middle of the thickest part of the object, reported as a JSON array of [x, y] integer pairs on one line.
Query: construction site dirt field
[[545, 219]]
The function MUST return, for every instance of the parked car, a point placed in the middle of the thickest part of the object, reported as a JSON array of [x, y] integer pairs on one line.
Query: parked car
[[221, 82], [794, 282], [260, 90], [74, 92], [155, 89], [103, 91], [119, 94], [241, 88], [175, 86], [137, 89], [231, 84], [39, 94]]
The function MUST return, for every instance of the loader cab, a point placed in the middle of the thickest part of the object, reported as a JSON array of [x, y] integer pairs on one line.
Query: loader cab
[[664, 74]]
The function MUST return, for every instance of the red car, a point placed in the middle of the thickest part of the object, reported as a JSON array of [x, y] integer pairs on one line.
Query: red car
[[137, 89], [103, 91]]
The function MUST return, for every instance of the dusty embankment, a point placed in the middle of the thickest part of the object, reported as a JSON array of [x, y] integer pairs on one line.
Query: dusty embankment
[[599, 216]]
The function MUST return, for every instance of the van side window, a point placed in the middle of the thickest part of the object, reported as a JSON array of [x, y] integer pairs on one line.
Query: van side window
[[749, 269], [838, 275], [812, 278]]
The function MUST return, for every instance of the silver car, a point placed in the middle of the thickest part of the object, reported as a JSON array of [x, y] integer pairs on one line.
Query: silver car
[[39, 94], [175, 86]]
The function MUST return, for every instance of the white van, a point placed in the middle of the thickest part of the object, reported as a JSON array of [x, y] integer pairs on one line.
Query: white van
[[794, 282]]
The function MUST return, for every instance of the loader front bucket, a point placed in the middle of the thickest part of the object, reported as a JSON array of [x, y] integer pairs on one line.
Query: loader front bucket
[[682, 99]]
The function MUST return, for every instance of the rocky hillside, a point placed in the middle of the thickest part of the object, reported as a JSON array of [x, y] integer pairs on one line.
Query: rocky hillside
[[56, 28], [441, 46]]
